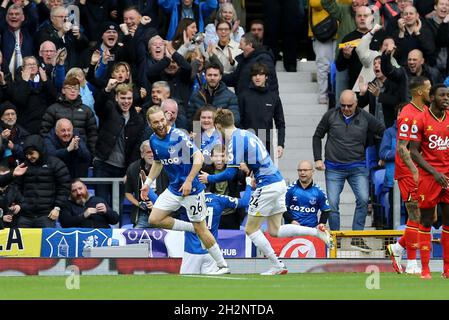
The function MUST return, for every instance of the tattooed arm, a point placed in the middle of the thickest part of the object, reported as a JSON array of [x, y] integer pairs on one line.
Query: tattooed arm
[[404, 153]]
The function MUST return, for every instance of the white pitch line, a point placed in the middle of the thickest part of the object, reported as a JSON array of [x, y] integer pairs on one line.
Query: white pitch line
[[213, 277]]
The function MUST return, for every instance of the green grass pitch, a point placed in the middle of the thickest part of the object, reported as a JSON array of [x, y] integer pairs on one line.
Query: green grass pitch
[[251, 287]]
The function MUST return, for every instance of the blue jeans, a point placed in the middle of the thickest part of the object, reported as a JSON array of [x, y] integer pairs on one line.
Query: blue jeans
[[142, 220], [358, 180]]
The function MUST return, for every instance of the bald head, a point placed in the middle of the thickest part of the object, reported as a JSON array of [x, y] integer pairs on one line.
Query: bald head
[[305, 172], [416, 53], [305, 164], [47, 51], [348, 102], [64, 130], [415, 61], [348, 95]]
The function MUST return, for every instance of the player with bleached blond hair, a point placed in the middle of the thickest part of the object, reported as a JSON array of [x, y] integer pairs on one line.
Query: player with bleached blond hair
[[182, 160]]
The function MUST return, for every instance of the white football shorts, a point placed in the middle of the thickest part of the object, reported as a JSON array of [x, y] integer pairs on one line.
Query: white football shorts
[[268, 200], [195, 204]]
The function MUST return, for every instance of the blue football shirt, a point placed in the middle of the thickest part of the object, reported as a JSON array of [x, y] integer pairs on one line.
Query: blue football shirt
[[245, 146], [208, 143], [304, 204], [175, 152]]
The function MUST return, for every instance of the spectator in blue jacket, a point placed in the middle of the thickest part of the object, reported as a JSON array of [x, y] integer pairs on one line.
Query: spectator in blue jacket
[[17, 34], [194, 9], [67, 144]]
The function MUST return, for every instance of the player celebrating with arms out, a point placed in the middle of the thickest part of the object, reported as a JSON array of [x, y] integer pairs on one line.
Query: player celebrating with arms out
[[268, 200], [182, 160], [430, 150]]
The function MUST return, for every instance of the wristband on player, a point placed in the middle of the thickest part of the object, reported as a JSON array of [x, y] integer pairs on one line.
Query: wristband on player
[[148, 181]]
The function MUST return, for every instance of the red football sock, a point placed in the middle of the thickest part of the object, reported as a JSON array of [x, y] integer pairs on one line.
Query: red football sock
[[445, 246], [411, 235], [425, 247]]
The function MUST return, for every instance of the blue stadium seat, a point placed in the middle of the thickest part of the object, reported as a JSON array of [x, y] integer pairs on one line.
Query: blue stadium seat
[[125, 217], [333, 75], [386, 206], [378, 181], [372, 158], [401, 227]]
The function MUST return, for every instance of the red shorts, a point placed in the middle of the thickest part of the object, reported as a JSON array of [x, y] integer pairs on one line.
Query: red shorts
[[408, 188], [430, 192]]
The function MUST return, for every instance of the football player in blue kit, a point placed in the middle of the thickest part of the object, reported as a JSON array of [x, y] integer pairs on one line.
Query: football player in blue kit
[[196, 260], [182, 161], [268, 200], [304, 199]]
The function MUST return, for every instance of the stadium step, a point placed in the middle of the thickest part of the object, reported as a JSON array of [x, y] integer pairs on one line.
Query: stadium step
[[293, 87], [299, 96]]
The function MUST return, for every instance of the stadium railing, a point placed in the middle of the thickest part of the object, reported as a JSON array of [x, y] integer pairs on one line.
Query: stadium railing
[[362, 243]]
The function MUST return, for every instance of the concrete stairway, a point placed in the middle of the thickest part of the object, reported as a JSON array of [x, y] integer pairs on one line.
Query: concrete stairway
[[299, 95]]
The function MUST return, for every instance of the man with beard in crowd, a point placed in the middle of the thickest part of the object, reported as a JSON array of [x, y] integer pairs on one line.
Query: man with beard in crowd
[[85, 211]]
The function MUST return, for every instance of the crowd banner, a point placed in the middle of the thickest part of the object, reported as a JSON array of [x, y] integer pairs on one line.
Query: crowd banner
[[20, 242], [161, 243], [298, 247], [233, 244], [70, 242]]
